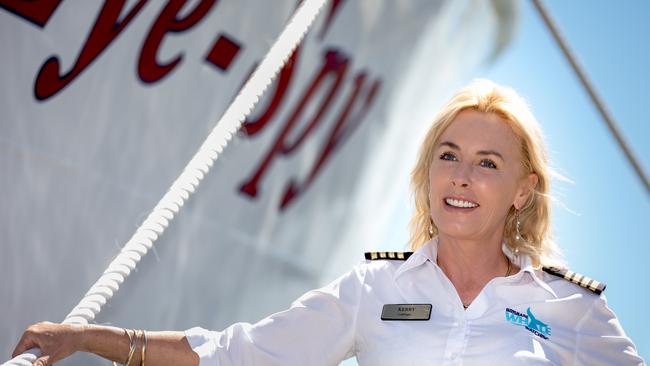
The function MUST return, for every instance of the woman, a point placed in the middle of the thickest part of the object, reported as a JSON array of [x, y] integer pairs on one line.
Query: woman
[[477, 290]]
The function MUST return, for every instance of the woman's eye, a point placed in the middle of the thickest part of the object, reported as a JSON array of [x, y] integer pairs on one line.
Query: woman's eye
[[448, 156], [487, 163]]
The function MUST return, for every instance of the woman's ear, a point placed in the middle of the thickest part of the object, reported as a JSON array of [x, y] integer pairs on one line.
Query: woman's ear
[[526, 188]]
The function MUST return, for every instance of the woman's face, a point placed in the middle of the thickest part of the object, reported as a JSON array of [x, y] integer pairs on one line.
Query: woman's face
[[476, 176]]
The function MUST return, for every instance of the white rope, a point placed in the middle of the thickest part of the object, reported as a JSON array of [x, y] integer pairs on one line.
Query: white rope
[[163, 213]]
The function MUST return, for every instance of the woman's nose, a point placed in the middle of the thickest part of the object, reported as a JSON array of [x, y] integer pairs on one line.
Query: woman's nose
[[461, 176]]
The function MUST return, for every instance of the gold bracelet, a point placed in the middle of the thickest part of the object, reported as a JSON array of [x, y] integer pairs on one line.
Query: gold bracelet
[[130, 345], [133, 345], [144, 346]]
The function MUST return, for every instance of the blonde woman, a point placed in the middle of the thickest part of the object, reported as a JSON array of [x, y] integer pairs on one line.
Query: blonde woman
[[484, 285]]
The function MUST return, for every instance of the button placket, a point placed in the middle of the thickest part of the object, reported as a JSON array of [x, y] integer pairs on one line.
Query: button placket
[[457, 339]]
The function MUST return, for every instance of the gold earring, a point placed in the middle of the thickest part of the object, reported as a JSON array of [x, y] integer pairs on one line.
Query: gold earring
[[518, 225], [430, 228]]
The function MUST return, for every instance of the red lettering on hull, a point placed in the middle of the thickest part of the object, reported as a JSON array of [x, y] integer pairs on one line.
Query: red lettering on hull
[[149, 69], [334, 66], [50, 80], [35, 11], [328, 83], [334, 70], [281, 85], [223, 52], [343, 128]]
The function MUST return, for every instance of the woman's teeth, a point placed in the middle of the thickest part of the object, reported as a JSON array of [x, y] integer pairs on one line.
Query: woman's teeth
[[460, 203]]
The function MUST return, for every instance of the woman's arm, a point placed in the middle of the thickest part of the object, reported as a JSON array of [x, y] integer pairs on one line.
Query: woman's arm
[[318, 329], [601, 339], [58, 341]]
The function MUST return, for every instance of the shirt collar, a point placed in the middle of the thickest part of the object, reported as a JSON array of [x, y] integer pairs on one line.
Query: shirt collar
[[429, 252], [525, 263]]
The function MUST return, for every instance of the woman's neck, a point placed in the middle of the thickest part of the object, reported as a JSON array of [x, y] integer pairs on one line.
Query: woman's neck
[[471, 264]]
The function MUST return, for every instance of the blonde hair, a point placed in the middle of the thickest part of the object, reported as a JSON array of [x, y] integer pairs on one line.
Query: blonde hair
[[488, 97]]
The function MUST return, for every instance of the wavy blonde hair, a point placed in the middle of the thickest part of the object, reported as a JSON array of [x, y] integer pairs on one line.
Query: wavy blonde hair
[[488, 97]]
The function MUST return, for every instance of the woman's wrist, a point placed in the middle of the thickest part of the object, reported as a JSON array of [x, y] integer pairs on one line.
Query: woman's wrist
[[80, 332]]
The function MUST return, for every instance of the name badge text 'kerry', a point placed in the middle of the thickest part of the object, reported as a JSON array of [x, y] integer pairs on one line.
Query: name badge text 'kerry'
[[406, 312]]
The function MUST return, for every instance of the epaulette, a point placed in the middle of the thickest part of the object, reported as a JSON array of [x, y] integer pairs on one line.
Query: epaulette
[[580, 280], [400, 256]]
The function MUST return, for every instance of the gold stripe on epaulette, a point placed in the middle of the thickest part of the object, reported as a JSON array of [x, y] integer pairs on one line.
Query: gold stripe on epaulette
[[580, 280], [402, 256], [577, 279], [595, 285], [569, 276]]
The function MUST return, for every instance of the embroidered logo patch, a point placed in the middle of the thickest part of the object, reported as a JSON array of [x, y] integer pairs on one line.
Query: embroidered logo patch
[[529, 322]]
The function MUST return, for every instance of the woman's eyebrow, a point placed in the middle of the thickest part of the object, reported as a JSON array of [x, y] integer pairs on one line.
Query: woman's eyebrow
[[449, 144], [480, 152], [491, 152]]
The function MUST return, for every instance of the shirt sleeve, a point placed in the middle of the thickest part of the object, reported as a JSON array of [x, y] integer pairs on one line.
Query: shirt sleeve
[[601, 339], [318, 329]]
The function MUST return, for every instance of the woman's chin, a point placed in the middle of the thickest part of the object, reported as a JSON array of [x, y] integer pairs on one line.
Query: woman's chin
[[459, 233]]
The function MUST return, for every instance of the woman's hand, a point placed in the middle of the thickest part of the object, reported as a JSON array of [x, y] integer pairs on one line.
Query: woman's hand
[[56, 341]]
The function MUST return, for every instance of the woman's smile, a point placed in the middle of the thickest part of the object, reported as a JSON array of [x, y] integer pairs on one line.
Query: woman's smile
[[456, 204]]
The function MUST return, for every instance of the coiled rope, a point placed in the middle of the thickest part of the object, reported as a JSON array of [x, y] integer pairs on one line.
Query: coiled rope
[[186, 184]]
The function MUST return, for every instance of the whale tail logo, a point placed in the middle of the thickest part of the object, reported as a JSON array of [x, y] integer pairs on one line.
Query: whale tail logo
[[536, 324]]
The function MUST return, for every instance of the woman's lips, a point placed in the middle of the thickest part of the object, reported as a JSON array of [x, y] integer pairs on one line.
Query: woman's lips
[[459, 205]]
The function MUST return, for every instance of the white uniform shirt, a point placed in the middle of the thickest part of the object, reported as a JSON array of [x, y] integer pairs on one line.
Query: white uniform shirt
[[530, 318]]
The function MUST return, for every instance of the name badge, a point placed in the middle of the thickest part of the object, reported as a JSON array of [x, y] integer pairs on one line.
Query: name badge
[[406, 312]]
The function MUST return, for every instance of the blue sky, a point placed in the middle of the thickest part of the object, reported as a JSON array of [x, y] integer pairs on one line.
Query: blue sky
[[601, 217], [602, 231]]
